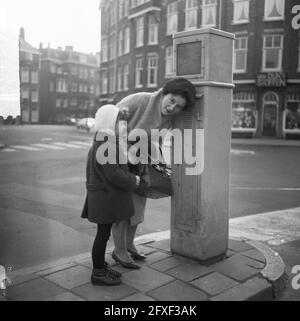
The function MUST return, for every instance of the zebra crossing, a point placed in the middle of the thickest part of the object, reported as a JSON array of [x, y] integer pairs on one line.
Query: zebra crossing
[[54, 146]]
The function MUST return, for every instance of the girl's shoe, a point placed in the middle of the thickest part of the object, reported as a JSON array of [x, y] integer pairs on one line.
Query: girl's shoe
[[112, 272], [139, 256], [102, 277], [127, 265]]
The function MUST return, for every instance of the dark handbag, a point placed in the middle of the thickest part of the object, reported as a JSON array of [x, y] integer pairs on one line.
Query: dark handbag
[[155, 179], [155, 182]]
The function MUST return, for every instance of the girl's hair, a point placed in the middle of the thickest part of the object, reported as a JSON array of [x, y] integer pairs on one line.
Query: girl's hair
[[183, 87]]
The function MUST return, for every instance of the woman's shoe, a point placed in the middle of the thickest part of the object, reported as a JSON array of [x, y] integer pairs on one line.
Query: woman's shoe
[[102, 277], [139, 256], [127, 265]]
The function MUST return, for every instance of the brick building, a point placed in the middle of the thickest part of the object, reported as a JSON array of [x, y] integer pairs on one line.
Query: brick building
[[29, 60], [137, 55], [69, 85]]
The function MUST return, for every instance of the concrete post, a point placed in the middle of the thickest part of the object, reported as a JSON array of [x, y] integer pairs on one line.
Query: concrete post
[[200, 205]]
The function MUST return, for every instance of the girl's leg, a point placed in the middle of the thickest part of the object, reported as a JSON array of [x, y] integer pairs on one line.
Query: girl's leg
[[119, 232], [99, 247]]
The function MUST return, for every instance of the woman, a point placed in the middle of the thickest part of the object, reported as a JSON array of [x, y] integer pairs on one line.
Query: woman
[[148, 111], [109, 192]]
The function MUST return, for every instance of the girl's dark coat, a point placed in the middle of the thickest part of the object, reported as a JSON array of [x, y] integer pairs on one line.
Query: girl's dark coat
[[109, 190]]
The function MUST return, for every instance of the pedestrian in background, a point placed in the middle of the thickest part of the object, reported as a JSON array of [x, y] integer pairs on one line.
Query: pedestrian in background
[[109, 194]]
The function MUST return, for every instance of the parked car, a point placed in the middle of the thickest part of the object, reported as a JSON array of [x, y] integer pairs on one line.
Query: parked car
[[85, 123]]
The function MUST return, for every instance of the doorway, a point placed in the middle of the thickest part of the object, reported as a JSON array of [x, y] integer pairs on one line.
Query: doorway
[[270, 112]]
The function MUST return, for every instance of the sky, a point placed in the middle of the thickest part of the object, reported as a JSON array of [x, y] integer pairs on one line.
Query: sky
[[58, 22]]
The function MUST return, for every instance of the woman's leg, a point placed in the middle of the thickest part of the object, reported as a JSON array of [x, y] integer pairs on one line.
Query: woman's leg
[[119, 232], [99, 247], [131, 230]]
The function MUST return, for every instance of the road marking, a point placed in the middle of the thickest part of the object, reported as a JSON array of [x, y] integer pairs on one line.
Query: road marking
[[46, 139], [68, 145], [9, 150], [268, 188], [27, 148], [81, 143], [48, 146], [242, 152]]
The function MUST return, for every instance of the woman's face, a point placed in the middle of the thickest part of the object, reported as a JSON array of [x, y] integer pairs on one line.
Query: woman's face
[[172, 104]]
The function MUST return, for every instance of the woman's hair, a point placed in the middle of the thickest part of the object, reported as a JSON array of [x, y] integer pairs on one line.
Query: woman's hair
[[183, 87]]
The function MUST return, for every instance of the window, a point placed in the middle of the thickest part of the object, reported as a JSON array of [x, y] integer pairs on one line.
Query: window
[[74, 87], [240, 55], [112, 47], [58, 102], [274, 9], [25, 93], [299, 56], [126, 8], [126, 40], [51, 86], [73, 102], [153, 30], [272, 53], [92, 73], [139, 73], [126, 77], [241, 11], [104, 50], [34, 77], [119, 79], [169, 61], [140, 32], [104, 82], [65, 103], [25, 74], [152, 71], [92, 103], [172, 18], [61, 86], [292, 112], [121, 43], [209, 12], [92, 89], [34, 95], [52, 68], [191, 14], [28, 56], [74, 70], [243, 111], [121, 9], [112, 85]]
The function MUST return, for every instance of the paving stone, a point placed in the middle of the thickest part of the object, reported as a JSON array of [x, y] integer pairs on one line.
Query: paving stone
[[178, 291], [145, 279], [230, 253], [188, 272], [19, 279], [162, 245], [167, 264], [238, 267], [255, 254], [239, 246], [72, 277], [153, 258], [138, 297], [86, 262], [35, 290], [254, 289], [214, 283], [145, 249], [55, 269], [65, 296], [104, 293]]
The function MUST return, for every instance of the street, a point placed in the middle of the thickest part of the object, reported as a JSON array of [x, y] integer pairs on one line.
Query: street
[[42, 192]]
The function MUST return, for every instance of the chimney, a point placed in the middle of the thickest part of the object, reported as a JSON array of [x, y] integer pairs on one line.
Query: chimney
[[41, 45], [22, 33], [69, 48]]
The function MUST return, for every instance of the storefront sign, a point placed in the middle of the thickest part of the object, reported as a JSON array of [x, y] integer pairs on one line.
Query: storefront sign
[[271, 79]]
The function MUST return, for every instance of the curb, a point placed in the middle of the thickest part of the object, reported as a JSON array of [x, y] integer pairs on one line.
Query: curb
[[275, 269], [2, 146]]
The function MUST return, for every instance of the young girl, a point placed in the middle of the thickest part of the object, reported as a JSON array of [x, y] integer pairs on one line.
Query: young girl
[[109, 193]]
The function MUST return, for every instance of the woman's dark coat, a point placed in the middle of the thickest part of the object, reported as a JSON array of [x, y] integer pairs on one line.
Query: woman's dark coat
[[109, 190]]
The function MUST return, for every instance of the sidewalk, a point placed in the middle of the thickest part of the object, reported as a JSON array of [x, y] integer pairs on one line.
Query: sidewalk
[[265, 142], [250, 271]]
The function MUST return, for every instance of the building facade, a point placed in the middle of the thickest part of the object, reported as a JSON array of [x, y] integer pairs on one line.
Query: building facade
[[29, 60], [69, 85], [137, 55]]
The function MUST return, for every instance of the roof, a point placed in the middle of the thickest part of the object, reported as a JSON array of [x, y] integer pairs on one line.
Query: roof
[[25, 46]]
